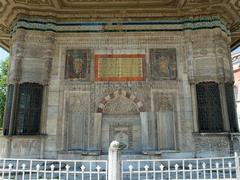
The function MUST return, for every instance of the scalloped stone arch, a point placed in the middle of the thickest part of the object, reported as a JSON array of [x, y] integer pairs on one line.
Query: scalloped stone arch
[[107, 99]]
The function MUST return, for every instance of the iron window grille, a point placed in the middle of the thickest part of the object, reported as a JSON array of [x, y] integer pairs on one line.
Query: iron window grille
[[209, 107], [29, 109]]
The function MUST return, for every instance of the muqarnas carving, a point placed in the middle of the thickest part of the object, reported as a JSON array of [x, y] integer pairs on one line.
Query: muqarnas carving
[[77, 64], [163, 64]]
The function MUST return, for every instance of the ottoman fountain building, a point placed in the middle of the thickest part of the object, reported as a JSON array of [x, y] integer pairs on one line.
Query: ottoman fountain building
[[155, 75]]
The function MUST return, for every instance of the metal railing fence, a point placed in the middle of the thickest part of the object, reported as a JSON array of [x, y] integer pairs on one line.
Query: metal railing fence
[[116, 169], [37, 169], [204, 168]]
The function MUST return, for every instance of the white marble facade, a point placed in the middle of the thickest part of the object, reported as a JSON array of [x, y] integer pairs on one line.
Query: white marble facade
[[152, 117]]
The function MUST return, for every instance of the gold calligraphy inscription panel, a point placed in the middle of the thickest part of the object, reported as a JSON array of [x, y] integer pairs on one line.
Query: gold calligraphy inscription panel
[[119, 67]]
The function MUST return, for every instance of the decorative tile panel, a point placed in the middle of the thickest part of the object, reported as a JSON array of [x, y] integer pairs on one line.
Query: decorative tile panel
[[77, 64], [163, 64]]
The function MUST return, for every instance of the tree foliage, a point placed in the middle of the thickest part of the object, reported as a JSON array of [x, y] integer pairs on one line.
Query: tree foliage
[[3, 87]]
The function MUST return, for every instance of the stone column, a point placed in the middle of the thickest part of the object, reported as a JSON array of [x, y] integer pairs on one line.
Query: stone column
[[190, 65], [194, 107], [48, 58], [15, 73]]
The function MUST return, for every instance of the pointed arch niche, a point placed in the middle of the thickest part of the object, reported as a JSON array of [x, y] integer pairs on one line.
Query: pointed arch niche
[[122, 117], [120, 102], [120, 111]]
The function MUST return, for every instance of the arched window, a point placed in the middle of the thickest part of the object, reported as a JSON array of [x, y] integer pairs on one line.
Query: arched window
[[209, 107], [29, 109]]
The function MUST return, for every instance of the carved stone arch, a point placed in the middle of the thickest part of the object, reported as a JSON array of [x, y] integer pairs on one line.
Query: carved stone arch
[[117, 95]]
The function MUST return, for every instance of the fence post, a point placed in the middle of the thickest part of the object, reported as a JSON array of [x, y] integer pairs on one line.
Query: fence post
[[237, 166], [114, 162]]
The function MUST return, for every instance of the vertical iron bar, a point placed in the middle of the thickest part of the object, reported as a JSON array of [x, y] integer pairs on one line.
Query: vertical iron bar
[[161, 170], [230, 170], [204, 170], [197, 169], [211, 169], [82, 175], [169, 170], [67, 171], [217, 169], [154, 170], [37, 168], [30, 170], [23, 171], [106, 169], [60, 166], [130, 171], [52, 169], [90, 170], [75, 169], [139, 168], [190, 170], [223, 166], [146, 174], [9, 171], [45, 169], [98, 174], [16, 173], [4, 163], [122, 164], [183, 164], [176, 171]]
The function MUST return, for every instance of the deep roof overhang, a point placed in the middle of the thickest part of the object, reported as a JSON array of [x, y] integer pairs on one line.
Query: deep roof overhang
[[118, 10]]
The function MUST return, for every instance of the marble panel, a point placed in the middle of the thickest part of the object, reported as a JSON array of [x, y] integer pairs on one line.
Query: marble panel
[[125, 129], [166, 130], [25, 148]]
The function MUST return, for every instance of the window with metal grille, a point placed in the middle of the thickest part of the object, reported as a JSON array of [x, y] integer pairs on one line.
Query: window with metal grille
[[209, 107], [8, 109], [229, 92], [29, 109]]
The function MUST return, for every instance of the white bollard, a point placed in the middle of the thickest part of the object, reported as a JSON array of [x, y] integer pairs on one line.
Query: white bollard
[[114, 162]]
